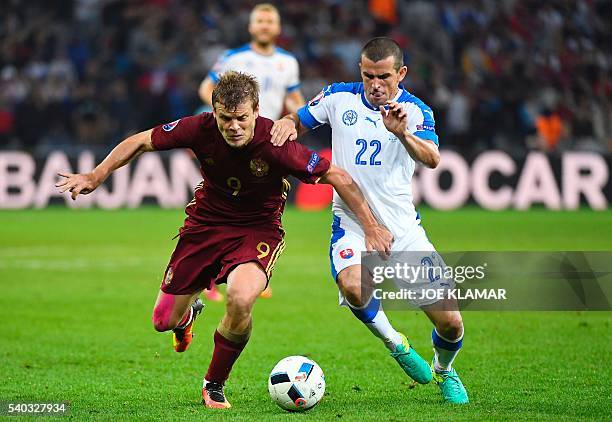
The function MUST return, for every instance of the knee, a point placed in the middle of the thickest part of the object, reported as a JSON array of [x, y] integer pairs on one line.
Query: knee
[[451, 327], [352, 290], [162, 320], [239, 303], [160, 325]]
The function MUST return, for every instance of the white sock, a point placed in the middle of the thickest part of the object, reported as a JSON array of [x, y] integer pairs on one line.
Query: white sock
[[445, 351], [377, 322], [381, 328]]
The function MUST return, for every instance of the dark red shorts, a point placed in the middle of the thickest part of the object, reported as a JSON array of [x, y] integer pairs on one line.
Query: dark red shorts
[[207, 254]]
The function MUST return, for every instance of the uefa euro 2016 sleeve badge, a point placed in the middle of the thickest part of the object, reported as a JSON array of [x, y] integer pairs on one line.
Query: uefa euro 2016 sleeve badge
[[169, 126], [259, 167], [316, 99]]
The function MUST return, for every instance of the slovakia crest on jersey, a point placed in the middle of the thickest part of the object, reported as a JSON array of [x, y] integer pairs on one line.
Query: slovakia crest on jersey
[[169, 126], [349, 117], [346, 253]]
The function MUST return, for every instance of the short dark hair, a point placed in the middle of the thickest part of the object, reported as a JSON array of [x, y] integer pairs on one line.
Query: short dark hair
[[382, 47], [234, 88]]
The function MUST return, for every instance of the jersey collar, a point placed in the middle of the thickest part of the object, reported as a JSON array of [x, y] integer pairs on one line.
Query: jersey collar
[[366, 103], [250, 45]]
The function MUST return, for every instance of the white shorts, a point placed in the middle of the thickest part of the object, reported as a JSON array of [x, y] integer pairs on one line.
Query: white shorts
[[348, 242]]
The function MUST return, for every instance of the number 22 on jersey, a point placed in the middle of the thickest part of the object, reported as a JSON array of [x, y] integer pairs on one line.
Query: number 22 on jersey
[[374, 150]]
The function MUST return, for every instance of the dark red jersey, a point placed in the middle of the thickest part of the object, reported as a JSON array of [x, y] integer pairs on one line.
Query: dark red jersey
[[242, 186]]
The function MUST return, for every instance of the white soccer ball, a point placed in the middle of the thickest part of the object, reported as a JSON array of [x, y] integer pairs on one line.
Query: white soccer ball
[[296, 383]]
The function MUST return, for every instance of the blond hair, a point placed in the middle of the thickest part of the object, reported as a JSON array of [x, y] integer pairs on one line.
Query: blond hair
[[264, 7]]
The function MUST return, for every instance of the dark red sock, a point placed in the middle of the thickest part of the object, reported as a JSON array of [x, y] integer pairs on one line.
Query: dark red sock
[[225, 354], [185, 320]]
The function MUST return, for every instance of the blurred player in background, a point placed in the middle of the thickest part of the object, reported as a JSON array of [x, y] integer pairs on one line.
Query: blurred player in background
[[379, 132], [276, 70], [233, 230]]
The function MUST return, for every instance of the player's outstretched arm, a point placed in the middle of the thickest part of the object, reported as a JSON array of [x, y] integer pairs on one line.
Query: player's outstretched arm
[[377, 237], [395, 120], [122, 154], [287, 128]]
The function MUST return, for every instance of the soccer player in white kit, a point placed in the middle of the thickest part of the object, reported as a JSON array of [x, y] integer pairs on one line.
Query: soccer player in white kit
[[379, 132], [276, 70]]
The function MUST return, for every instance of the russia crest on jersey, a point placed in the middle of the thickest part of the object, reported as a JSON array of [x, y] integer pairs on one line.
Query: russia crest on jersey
[[346, 253], [169, 126]]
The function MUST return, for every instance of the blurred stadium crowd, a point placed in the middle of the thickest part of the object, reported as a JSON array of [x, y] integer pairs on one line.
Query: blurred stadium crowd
[[509, 74]]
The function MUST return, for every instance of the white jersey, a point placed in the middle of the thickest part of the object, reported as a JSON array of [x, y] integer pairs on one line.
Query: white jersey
[[277, 74], [373, 156]]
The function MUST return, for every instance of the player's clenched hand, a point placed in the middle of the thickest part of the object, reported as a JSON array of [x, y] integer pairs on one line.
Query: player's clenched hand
[[77, 184], [394, 118], [283, 130], [378, 238]]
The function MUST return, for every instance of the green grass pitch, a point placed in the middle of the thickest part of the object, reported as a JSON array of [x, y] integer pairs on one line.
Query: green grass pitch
[[78, 287]]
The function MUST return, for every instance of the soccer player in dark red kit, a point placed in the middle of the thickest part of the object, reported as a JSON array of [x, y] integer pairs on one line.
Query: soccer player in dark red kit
[[233, 232]]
